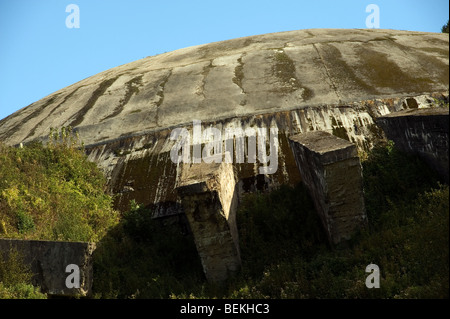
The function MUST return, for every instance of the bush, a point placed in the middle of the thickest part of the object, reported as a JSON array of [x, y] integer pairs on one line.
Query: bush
[[53, 193], [444, 28], [392, 177], [15, 278], [20, 291], [276, 226], [145, 258]]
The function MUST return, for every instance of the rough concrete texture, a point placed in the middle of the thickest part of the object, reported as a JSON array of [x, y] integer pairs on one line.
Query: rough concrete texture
[[423, 132], [331, 170], [253, 75], [338, 81], [49, 259], [208, 195]]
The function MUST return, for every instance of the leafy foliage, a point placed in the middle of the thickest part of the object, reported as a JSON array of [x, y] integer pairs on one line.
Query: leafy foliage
[[53, 192], [15, 278], [392, 177], [444, 28], [145, 258], [283, 223]]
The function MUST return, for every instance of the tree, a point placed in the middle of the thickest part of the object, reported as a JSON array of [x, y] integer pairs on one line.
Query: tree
[[445, 28]]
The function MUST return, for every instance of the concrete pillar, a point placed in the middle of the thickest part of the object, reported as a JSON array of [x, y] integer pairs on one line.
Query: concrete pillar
[[331, 170], [209, 199]]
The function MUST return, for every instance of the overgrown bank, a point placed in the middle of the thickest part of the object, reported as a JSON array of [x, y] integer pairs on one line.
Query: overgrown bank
[[48, 193], [53, 192]]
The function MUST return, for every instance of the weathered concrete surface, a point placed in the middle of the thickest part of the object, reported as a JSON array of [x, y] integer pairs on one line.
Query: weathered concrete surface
[[49, 259], [208, 195], [253, 75], [338, 81], [331, 170], [423, 132], [139, 167]]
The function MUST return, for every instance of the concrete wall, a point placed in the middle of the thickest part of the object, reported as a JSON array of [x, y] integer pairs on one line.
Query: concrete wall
[[49, 259], [331, 170], [423, 132]]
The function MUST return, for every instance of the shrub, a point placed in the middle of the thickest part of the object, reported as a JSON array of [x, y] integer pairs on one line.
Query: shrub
[[276, 226], [145, 258], [15, 278], [390, 177], [53, 192]]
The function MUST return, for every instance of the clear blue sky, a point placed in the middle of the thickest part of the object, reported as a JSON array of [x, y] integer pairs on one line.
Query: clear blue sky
[[40, 55]]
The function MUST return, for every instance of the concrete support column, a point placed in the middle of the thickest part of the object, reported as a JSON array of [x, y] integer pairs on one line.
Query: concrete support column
[[331, 170], [207, 192]]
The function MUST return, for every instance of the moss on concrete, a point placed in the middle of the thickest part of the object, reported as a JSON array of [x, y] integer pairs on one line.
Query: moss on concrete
[[132, 87], [239, 74], [341, 132], [101, 89], [36, 113], [381, 72], [341, 73]]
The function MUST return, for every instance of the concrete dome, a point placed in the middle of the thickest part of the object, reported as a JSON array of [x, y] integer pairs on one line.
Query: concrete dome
[[336, 81], [241, 77]]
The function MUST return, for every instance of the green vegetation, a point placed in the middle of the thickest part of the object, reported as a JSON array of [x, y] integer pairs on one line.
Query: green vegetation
[[407, 238], [15, 278], [444, 28], [145, 258], [53, 192]]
